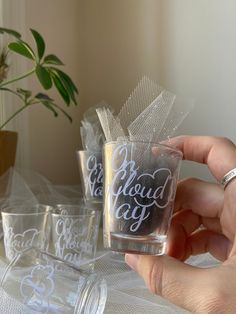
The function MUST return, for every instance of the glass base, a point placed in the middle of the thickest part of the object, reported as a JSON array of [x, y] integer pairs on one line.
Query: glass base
[[145, 245], [92, 300]]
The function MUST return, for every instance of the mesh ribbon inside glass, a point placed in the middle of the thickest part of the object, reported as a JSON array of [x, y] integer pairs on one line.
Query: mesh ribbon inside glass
[[91, 132], [150, 114]]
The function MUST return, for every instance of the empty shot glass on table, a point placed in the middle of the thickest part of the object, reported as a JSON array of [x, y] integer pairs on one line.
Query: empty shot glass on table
[[140, 185], [75, 234], [47, 284], [91, 173], [25, 226]]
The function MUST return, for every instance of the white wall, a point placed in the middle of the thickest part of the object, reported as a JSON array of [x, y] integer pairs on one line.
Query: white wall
[[119, 42], [198, 59], [54, 141]]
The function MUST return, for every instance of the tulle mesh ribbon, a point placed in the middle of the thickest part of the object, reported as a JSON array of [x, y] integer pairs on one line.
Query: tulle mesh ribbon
[[150, 114]]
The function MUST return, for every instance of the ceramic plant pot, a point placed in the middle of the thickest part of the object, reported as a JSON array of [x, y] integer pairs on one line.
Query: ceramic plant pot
[[8, 145]]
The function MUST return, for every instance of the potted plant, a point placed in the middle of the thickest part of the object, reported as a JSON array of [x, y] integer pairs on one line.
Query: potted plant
[[47, 69]]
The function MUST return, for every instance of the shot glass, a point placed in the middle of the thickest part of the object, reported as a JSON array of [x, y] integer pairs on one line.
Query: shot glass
[[75, 234], [25, 227], [140, 185], [49, 285], [91, 173]]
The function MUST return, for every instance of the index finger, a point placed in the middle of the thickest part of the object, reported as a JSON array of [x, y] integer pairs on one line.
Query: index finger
[[217, 152]]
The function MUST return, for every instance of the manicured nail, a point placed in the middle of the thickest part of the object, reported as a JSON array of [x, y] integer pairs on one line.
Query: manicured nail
[[132, 260]]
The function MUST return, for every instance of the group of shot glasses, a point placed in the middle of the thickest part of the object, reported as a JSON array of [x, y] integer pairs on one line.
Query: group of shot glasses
[[129, 181], [50, 252], [51, 249]]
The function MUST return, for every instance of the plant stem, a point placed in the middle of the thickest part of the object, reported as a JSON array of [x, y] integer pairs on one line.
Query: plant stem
[[17, 78], [14, 114]]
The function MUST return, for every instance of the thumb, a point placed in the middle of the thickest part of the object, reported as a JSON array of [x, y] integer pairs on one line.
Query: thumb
[[182, 284]]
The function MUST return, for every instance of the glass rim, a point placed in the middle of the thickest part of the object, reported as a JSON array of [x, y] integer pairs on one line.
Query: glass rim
[[89, 151], [38, 210], [145, 142], [93, 214], [59, 208]]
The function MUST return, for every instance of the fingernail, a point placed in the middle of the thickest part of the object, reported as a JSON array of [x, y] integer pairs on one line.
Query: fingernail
[[132, 260]]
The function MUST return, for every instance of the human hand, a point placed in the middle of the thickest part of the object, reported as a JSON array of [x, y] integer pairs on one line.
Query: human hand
[[204, 221]]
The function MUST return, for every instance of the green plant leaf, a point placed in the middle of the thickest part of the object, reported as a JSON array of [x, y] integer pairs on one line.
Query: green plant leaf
[[42, 96], [25, 92], [63, 111], [22, 48], [10, 32], [67, 82], [47, 102], [48, 105], [52, 59], [61, 89], [43, 76], [39, 42], [68, 79]]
